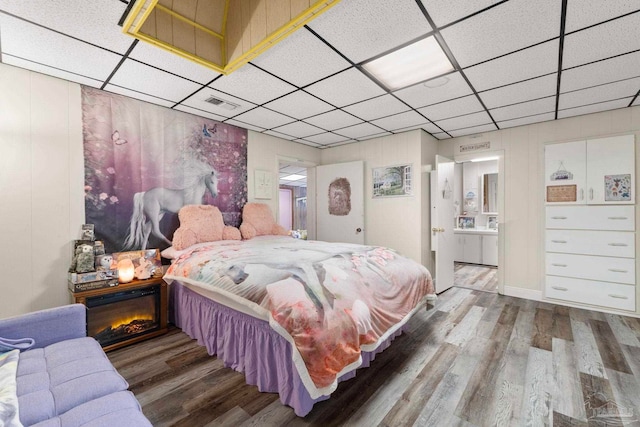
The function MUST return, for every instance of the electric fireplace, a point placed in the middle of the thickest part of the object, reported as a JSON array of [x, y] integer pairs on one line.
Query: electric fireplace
[[127, 313]]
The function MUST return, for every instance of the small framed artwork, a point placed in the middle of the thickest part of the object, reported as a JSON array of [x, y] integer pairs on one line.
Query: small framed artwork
[[392, 181], [263, 184], [466, 221], [492, 222]]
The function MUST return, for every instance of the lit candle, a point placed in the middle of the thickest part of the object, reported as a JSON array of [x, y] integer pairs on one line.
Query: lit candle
[[125, 270]]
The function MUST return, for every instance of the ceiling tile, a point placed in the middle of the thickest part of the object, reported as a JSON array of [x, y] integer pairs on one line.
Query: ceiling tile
[[603, 41], [618, 68], [399, 121], [335, 119], [197, 101], [381, 106], [298, 129], [347, 87], [375, 135], [473, 130], [280, 135], [526, 64], [441, 135], [601, 93], [252, 84], [460, 122], [362, 29], [200, 113], [299, 105], [309, 143], [175, 64], [456, 107], [264, 118], [360, 131], [326, 138], [526, 120], [524, 109], [519, 92], [17, 40], [301, 59], [338, 144], [137, 95], [511, 26], [637, 101], [431, 128], [142, 78], [96, 23], [420, 95], [594, 108], [291, 170], [50, 71], [582, 13], [445, 12], [244, 125]]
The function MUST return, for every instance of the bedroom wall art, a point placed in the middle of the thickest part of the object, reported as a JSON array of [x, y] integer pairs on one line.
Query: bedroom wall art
[[392, 181], [144, 162]]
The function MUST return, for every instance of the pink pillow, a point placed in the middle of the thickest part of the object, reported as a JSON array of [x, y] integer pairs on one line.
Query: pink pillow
[[257, 220], [198, 223]]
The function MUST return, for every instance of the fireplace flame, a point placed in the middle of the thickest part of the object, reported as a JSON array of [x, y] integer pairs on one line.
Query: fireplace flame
[[123, 321]]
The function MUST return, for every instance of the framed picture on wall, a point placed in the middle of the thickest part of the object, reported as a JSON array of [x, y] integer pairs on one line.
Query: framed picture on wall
[[392, 181], [263, 184], [466, 221]]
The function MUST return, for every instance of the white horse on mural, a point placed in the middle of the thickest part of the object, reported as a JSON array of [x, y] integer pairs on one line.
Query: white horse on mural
[[150, 206]]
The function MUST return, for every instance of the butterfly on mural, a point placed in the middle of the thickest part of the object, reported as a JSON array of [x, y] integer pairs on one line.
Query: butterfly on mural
[[209, 131], [115, 137]]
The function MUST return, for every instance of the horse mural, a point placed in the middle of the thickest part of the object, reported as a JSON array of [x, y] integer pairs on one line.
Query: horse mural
[[149, 207]]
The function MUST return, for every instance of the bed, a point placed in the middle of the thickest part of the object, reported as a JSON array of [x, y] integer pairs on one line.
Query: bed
[[295, 316]]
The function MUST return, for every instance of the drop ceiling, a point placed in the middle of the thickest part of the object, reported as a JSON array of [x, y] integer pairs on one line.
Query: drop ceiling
[[516, 62]]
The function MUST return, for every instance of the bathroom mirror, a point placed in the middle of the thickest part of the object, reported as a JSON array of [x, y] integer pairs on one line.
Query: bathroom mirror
[[490, 193]]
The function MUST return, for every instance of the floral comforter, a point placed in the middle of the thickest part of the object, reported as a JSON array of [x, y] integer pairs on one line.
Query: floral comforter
[[330, 300]]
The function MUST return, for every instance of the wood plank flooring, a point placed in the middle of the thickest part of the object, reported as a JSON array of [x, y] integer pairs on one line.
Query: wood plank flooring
[[475, 359], [474, 276]]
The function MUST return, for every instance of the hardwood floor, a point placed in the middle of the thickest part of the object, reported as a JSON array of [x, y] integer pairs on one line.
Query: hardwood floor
[[474, 276], [476, 359]]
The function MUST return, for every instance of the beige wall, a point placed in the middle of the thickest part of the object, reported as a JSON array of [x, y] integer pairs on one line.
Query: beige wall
[[396, 222], [523, 222], [41, 188]]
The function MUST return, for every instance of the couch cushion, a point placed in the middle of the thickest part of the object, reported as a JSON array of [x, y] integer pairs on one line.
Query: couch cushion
[[59, 377], [119, 409]]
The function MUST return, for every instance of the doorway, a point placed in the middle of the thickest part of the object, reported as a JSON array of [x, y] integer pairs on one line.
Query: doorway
[[476, 229], [292, 212]]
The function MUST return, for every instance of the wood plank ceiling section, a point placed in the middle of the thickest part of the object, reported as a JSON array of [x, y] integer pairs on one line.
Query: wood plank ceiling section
[[220, 34]]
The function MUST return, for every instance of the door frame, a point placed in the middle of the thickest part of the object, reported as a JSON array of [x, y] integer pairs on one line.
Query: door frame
[[311, 189], [502, 224]]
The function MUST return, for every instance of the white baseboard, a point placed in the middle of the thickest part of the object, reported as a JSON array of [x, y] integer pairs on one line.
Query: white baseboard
[[531, 294]]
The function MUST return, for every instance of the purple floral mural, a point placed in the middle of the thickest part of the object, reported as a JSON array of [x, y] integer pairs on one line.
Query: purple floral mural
[[144, 162]]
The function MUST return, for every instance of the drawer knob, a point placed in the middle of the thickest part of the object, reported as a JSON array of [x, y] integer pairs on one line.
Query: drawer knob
[[617, 217], [559, 241], [618, 296], [618, 244], [558, 265], [558, 217], [617, 270], [559, 288]]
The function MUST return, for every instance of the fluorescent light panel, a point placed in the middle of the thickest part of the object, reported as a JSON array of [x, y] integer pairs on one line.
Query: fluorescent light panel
[[293, 177], [411, 64]]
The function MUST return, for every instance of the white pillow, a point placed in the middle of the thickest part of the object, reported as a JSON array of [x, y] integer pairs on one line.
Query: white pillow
[[9, 414]]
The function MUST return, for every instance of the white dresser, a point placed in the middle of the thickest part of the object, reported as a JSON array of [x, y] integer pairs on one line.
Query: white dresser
[[590, 254]]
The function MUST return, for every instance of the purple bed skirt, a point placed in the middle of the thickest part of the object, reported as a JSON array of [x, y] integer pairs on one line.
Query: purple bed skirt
[[249, 345]]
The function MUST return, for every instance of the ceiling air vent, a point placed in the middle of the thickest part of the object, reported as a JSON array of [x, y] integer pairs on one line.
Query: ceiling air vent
[[221, 103]]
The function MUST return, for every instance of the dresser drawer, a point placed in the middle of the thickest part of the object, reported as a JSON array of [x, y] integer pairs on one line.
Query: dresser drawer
[[611, 295], [606, 269], [605, 243], [616, 218]]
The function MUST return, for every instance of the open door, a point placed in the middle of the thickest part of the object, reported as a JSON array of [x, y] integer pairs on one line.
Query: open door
[[442, 222], [340, 202]]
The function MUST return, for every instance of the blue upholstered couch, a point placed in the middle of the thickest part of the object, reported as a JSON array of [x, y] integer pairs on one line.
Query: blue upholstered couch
[[65, 379]]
